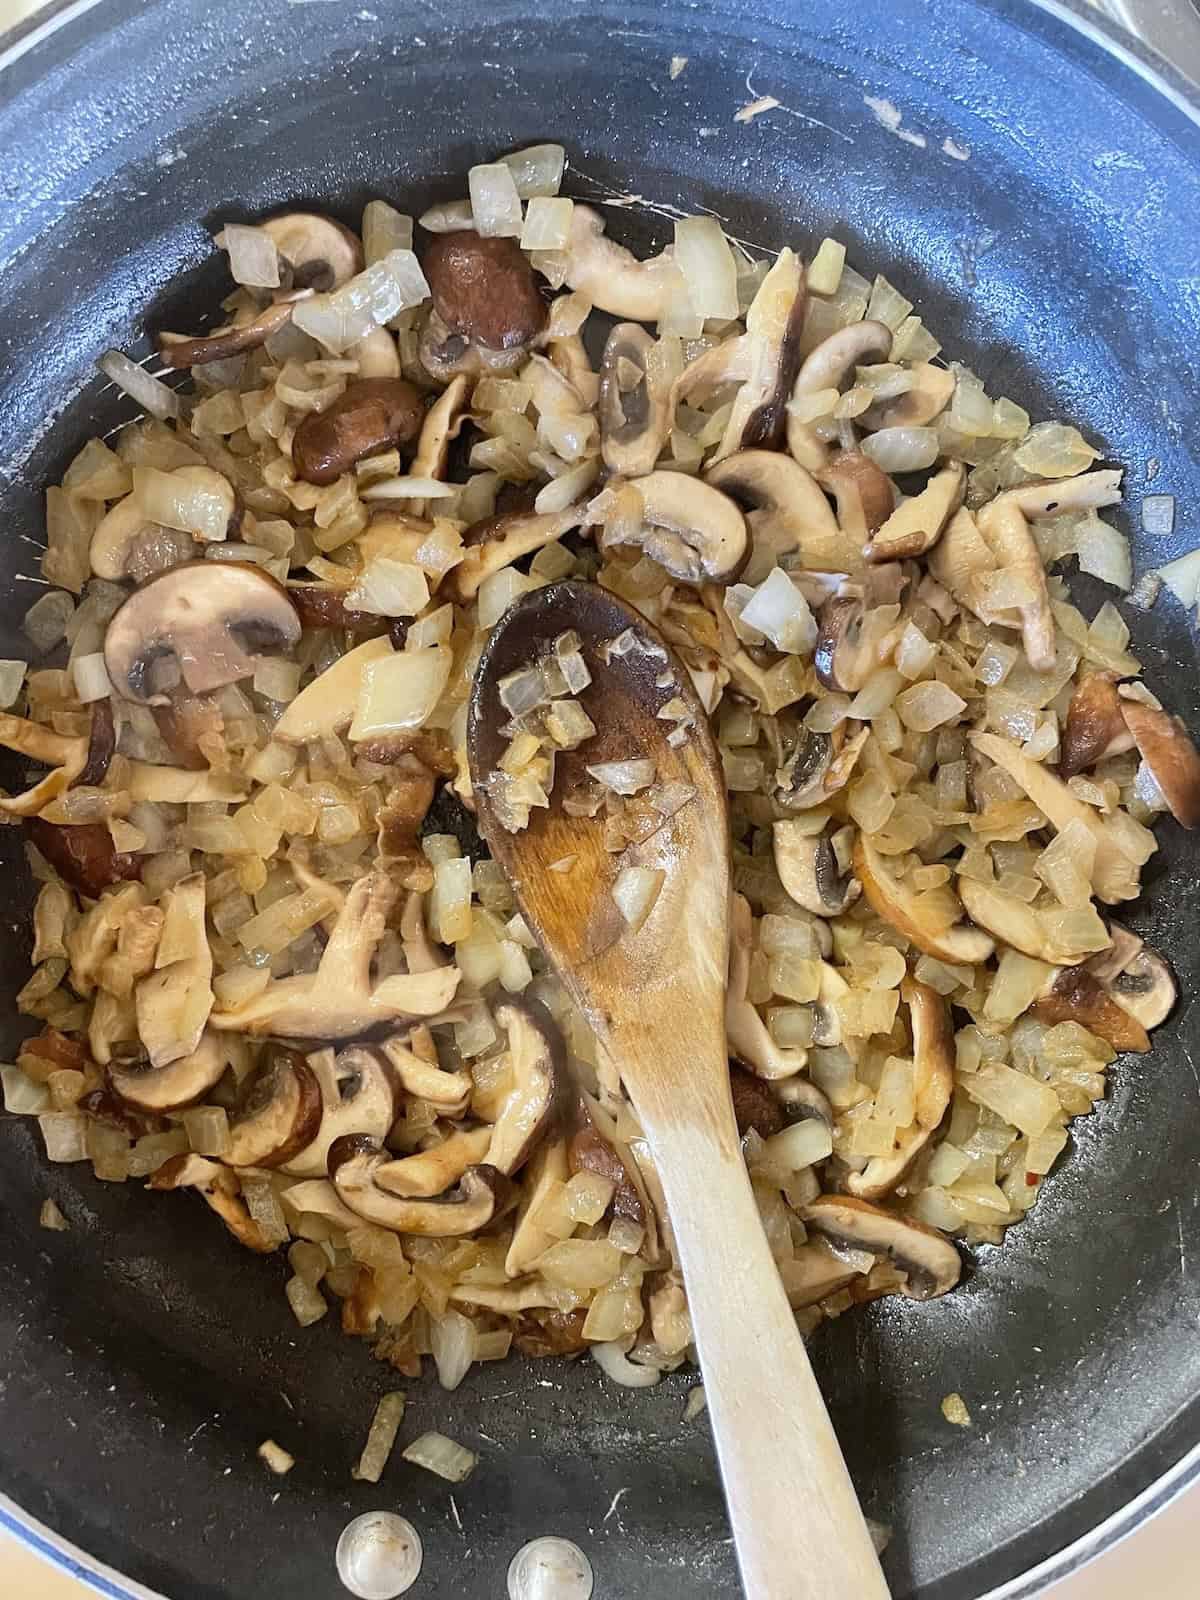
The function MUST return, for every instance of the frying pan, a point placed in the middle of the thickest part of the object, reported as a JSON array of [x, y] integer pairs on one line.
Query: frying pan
[[1033, 184]]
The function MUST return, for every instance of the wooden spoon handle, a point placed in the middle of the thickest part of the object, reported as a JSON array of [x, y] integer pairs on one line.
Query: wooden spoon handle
[[796, 1520]]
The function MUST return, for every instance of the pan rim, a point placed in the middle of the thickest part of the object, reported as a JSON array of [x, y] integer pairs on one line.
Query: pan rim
[[1183, 95]]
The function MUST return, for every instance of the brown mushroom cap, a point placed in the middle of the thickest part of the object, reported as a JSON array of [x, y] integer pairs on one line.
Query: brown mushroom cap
[[480, 1198], [484, 290], [173, 1087], [1077, 995], [1095, 728], [929, 1260], [1165, 745], [279, 1116], [496, 542], [863, 492], [754, 1105], [370, 415], [102, 743], [83, 855], [220, 1189], [179, 350], [538, 1056], [323, 605], [843, 659], [214, 617], [786, 510]]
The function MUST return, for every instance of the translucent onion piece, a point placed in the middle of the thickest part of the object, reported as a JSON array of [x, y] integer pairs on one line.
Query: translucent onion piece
[[778, 611], [547, 224], [65, 1134], [275, 1457], [381, 1438], [253, 258], [442, 1456], [12, 680], [91, 678], [400, 691], [635, 891], [624, 777], [902, 449], [452, 1337], [384, 229], [537, 170], [495, 203], [22, 1096], [47, 618], [148, 392]]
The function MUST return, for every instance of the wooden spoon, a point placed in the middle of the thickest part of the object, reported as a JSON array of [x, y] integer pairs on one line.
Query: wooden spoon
[[656, 1000]]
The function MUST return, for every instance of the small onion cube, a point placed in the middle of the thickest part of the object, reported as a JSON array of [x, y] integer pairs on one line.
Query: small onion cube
[[47, 618], [537, 170], [442, 1456], [384, 229], [51, 1218], [148, 392], [495, 203], [547, 224], [568, 724], [799, 1146], [400, 691], [928, 705], [1158, 515], [306, 1300], [452, 1337], [624, 777], [91, 678], [263, 1205], [64, 1133], [523, 691], [777, 610], [389, 588], [253, 258], [709, 270], [635, 891], [22, 1096], [12, 680], [902, 449], [381, 1438], [207, 1128], [275, 1457]]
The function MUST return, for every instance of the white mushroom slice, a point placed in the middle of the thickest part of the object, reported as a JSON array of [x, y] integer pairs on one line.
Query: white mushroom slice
[[896, 904], [317, 1197], [613, 279], [787, 513], [180, 1083], [278, 1116], [173, 1004], [916, 526], [214, 618], [339, 1001], [67, 756], [443, 422], [1166, 747], [508, 1299], [827, 367], [480, 1198], [430, 1172], [745, 1031], [929, 396], [322, 254], [596, 1146], [547, 1170], [220, 1189], [420, 953], [377, 357], [634, 420], [933, 1071], [538, 1058], [1095, 728], [1003, 527], [927, 1258], [420, 1075], [497, 542], [820, 765], [960, 556], [327, 704], [1090, 491], [1145, 988], [358, 1094], [813, 1274], [1114, 875], [688, 527], [118, 535], [809, 871]]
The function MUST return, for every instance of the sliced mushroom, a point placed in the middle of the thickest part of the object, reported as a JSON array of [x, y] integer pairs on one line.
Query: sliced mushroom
[[569, 358], [192, 728], [1016, 923], [509, 1298], [634, 418], [547, 1170], [960, 557], [415, 1064], [1004, 529], [928, 1259], [1089, 491], [323, 605], [863, 492], [358, 1094], [279, 1116], [317, 1197], [481, 1197], [1095, 728], [933, 1071], [1075, 995], [1166, 747], [66, 756], [339, 1000], [745, 1031], [327, 704], [896, 904], [596, 1147], [916, 526], [321, 253], [431, 1171], [827, 367], [538, 1057], [848, 645], [370, 415], [484, 290], [443, 422], [174, 1003], [786, 512], [612, 279], [183, 350], [83, 855], [1145, 988], [929, 396], [813, 1274], [809, 871], [691, 529], [220, 1189], [213, 617], [820, 765], [376, 354], [1114, 874], [755, 1105], [178, 1084], [497, 542]]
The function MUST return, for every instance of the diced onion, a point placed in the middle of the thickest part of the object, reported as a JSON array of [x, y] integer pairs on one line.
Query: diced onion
[[442, 1456], [12, 680], [1182, 577], [381, 1438], [275, 1457], [451, 216], [46, 620], [306, 1300], [65, 1134], [624, 777], [547, 224], [384, 229], [635, 891], [708, 267], [22, 1096], [400, 691], [371, 298], [612, 1361], [495, 203], [253, 258], [409, 488], [389, 588], [51, 1218], [452, 1337], [91, 678], [1104, 552], [537, 170], [150, 394], [902, 449], [778, 611], [799, 1146], [1158, 515]]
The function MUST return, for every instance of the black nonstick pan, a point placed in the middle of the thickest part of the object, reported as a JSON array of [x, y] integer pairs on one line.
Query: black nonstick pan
[[1035, 186]]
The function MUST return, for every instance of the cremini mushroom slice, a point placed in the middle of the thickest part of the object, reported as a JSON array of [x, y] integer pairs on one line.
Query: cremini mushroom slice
[[279, 1115], [174, 1002], [1166, 747], [851, 641], [538, 1057], [929, 1261], [827, 367], [339, 1000], [321, 253], [808, 869], [1016, 923], [896, 904], [497, 542], [691, 529], [358, 1094], [213, 618], [820, 765], [180, 1083], [611, 277], [532, 1295], [432, 1171], [1075, 995], [863, 492], [960, 557], [929, 396], [1145, 988], [635, 418], [755, 1104], [376, 354], [546, 1171], [369, 416], [786, 512], [327, 704], [415, 1063], [745, 1031], [916, 526], [323, 605], [1007, 534], [933, 1070], [814, 1273], [481, 1196], [1089, 491], [83, 855], [1115, 874], [443, 423], [220, 1189], [1095, 728], [66, 756], [183, 350]]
